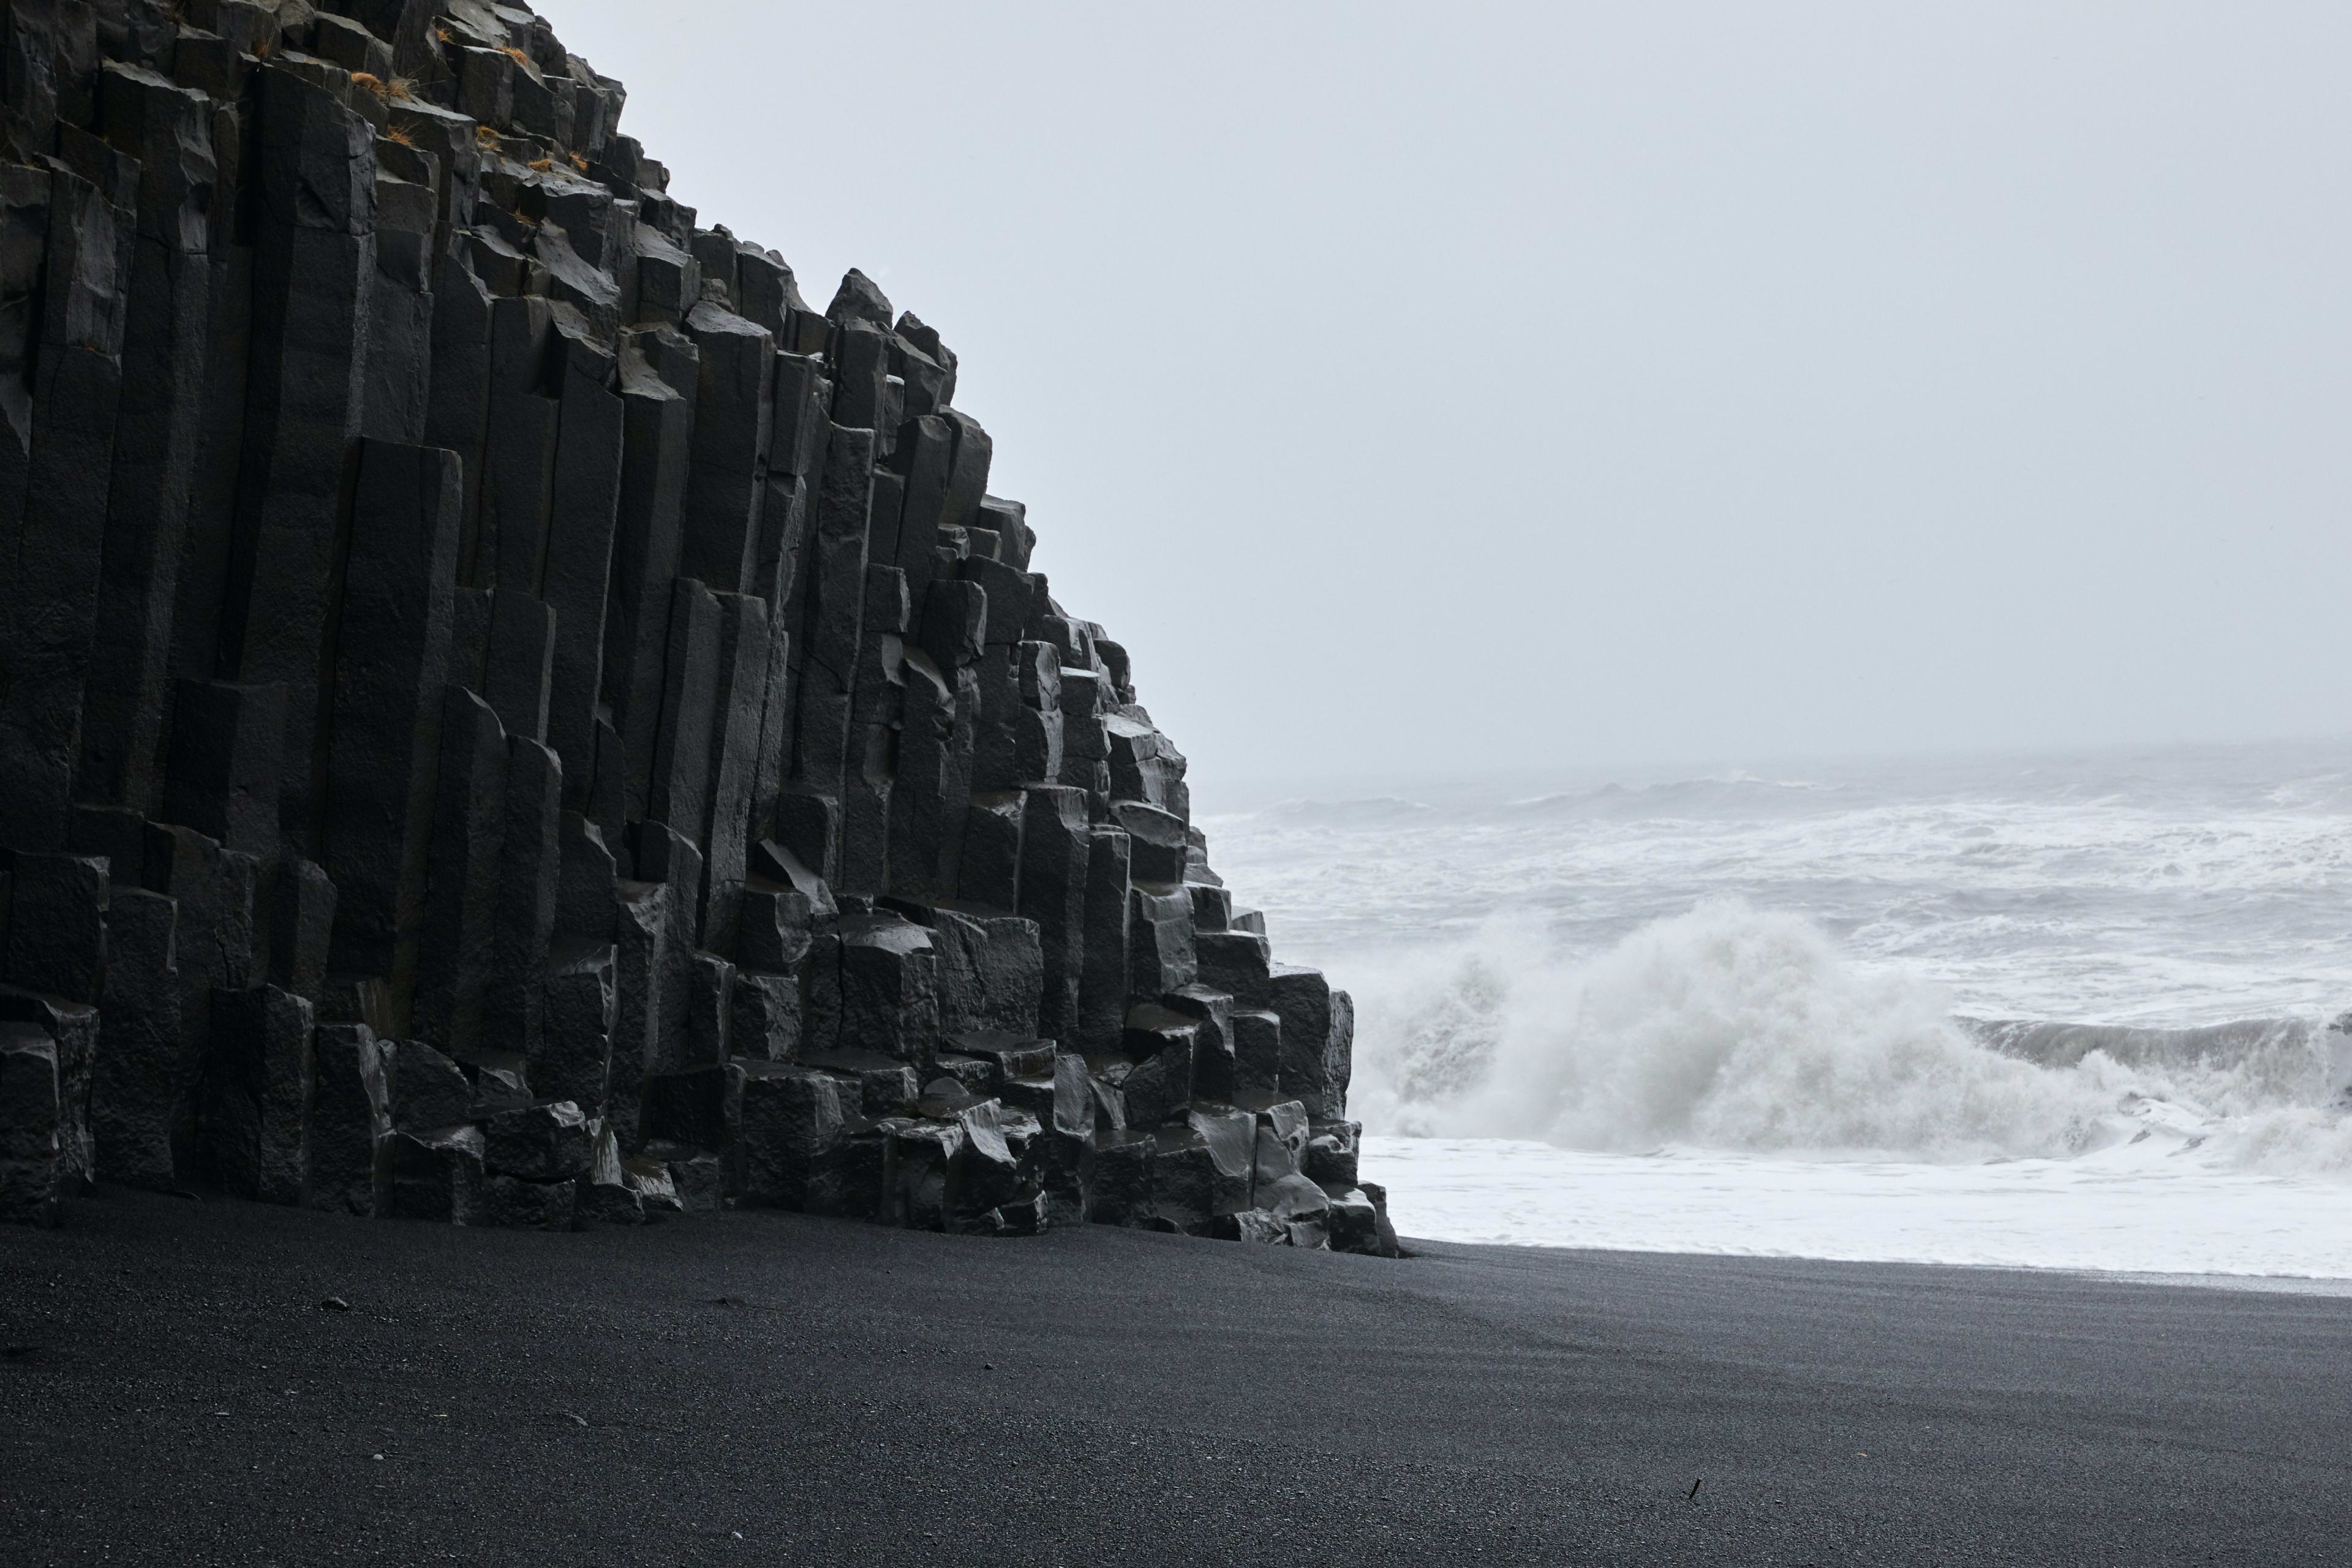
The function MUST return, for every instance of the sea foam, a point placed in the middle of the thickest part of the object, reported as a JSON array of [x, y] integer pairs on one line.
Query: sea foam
[[1740, 1029]]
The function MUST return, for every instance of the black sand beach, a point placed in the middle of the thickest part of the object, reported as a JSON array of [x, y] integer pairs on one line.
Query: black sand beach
[[764, 1388]]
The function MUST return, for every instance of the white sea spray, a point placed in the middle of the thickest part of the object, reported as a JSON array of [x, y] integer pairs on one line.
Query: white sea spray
[[1727, 1027]]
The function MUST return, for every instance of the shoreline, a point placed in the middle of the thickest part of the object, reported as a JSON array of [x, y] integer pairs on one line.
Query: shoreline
[[837, 1391], [2154, 1206], [2259, 1284]]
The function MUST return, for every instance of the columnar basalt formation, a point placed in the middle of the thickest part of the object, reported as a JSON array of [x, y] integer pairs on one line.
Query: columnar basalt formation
[[510, 715]]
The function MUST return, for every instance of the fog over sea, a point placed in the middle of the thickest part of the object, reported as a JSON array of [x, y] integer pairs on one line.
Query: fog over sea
[[2046, 1010]]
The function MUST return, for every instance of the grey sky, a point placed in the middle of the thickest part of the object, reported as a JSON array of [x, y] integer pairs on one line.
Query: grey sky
[[1453, 386]]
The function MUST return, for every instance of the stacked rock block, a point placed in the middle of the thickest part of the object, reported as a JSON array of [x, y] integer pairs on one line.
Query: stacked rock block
[[510, 715]]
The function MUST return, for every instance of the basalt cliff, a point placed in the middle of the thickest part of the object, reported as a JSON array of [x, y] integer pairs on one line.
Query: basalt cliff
[[509, 715]]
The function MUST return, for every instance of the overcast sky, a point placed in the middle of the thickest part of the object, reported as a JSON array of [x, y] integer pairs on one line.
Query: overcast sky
[[1448, 387]]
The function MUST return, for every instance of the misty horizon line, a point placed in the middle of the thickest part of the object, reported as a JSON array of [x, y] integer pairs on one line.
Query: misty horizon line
[[1777, 767]]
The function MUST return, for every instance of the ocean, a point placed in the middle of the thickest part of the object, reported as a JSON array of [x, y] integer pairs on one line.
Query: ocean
[[2067, 1011]]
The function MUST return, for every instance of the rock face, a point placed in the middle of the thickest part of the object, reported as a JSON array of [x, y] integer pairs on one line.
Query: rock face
[[511, 715]]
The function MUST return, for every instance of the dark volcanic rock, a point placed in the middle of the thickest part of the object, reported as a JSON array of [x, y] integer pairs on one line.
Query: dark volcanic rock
[[351, 1119], [991, 973], [509, 714], [46, 1153], [254, 1130], [56, 924], [133, 1080], [428, 1090], [546, 1143]]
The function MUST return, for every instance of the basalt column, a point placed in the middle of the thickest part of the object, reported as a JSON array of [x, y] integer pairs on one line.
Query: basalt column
[[510, 716]]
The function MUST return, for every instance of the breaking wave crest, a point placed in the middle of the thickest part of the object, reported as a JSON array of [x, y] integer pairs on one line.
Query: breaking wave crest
[[1740, 1029]]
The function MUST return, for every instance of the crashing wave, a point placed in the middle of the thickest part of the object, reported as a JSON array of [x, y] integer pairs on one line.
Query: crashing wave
[[1733, 1028]]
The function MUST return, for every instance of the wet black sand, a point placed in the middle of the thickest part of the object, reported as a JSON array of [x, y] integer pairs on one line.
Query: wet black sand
[[764, 1388]]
